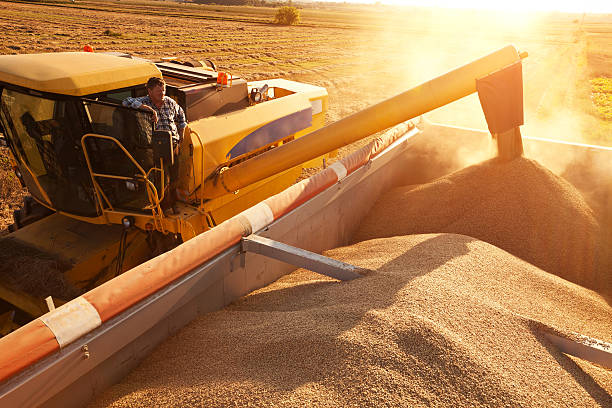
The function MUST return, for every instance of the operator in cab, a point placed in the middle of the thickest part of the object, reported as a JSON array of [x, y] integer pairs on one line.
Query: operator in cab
[[167, 115]]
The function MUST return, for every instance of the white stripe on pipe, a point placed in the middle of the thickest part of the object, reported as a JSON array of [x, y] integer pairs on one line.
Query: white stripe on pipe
[[259, 216], [340, 170], [317, 106], [72, 320]]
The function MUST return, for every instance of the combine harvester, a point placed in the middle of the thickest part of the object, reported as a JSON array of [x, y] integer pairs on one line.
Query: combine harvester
[[97, 173]]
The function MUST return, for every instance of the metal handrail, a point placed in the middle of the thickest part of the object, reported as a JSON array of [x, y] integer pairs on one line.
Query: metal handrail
[[152, 194]]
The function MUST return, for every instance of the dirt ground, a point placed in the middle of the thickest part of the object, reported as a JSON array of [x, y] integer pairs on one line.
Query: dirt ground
[[362, 55], [11, 192]]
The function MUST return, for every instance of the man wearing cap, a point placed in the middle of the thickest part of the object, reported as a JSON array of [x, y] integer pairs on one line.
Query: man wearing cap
[[167, 114]]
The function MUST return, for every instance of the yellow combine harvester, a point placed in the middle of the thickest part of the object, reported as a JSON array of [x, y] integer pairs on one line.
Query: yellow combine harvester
[[74, 352], [98, 172], [101, 170]]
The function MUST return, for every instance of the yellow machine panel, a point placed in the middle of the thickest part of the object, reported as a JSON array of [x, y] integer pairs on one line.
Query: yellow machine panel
[[74, 73], [293, 110]]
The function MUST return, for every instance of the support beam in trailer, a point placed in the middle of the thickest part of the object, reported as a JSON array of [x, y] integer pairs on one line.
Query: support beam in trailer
[[301, 258]]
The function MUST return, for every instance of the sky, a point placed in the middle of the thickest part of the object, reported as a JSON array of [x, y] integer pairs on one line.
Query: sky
[[579, 6]]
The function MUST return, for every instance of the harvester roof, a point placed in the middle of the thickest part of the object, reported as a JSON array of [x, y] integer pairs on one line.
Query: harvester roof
[[74, 73]]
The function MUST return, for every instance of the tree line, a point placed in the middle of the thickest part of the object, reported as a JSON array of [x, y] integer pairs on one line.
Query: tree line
[[257, 3]]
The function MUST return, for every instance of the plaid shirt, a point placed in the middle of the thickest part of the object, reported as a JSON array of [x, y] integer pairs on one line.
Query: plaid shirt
[[169, 116]]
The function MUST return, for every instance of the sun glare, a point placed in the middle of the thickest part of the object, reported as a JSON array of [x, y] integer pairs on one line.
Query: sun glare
[[586, 6]]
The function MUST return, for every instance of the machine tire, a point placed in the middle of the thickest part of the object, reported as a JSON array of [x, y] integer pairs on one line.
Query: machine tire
[[28, 204]]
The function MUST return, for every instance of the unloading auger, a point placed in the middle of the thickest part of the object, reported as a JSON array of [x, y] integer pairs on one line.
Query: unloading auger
[[412, 103]]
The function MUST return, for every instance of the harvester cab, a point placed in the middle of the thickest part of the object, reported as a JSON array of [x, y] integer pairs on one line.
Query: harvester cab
[[81, 153], [98, 172]]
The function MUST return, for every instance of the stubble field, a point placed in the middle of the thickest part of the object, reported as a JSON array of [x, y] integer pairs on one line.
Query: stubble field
[[362, 55]]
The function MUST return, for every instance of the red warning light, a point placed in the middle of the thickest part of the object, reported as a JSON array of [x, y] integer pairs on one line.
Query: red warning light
[[223, 78], [88, 48]]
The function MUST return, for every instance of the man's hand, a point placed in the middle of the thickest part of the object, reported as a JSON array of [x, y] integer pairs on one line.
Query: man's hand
[[181, 131], [150, 109]]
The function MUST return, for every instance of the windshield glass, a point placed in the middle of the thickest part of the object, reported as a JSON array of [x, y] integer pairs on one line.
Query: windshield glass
[[133, 130], [45, 136]]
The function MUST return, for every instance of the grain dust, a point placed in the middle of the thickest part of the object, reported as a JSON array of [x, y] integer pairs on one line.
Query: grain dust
[[518, 206]]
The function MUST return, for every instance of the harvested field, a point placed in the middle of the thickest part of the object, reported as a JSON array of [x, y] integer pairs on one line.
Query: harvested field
[[439, 323], [11, 192], [519, 206], [361, 54]]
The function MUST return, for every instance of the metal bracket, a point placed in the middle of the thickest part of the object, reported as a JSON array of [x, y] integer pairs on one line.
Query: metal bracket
[[575, 344], [240, 255], [586, 348], [301, 258]]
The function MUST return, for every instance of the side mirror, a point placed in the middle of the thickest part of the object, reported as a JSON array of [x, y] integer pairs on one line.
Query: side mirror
[[162, 146]]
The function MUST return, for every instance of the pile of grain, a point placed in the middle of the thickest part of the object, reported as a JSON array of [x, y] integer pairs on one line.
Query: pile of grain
[[438, 323], [443, 319], [518, 206]]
